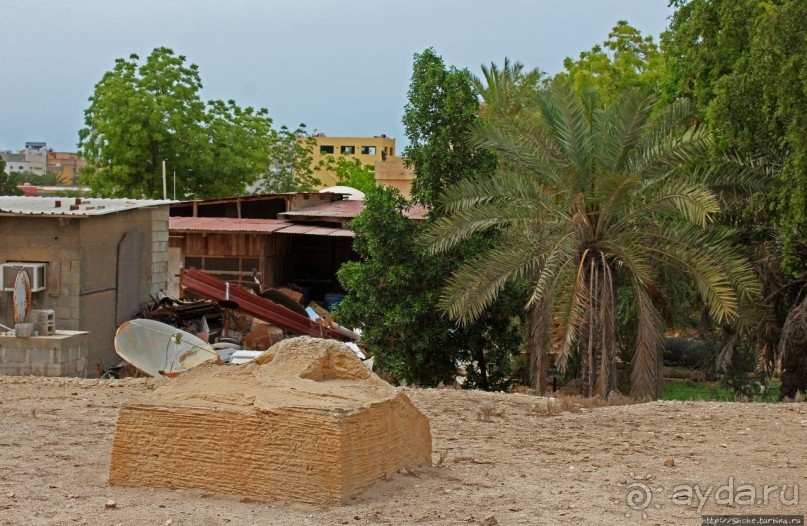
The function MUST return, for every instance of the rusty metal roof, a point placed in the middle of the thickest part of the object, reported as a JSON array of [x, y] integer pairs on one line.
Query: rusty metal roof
[[225, 224], [71, 206], [345, 209], [250, 226]]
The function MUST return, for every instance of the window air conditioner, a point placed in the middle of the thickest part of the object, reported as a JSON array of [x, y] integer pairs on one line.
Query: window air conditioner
[[36, 272]]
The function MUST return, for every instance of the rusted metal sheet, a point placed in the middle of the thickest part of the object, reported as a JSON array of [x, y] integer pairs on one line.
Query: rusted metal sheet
[[206, 285], [225, 224], [127, 301]]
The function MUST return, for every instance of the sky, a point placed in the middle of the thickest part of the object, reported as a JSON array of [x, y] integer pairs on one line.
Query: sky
[[340, 66]]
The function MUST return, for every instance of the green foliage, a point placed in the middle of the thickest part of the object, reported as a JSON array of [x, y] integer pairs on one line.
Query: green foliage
[[143, 113], [588, 191], [292, 162], [442, 106], [742, 376], [507, 90], [351, 172], [8, 181], [627, 60], [391, 294], [745, 64]]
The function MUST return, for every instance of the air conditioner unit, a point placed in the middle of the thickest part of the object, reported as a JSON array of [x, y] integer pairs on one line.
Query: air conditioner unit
[[36, 272]]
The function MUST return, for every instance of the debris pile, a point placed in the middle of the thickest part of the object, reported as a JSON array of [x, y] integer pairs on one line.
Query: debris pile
[[306, 421], [240, 323]]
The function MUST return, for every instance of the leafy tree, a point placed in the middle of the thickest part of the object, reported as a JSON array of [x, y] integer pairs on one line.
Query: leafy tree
[[590, 196], [627, 60], [744, 64], [8, 181], [292, 167], [442, 106], [392, 292], [142, 114], [351, 172]]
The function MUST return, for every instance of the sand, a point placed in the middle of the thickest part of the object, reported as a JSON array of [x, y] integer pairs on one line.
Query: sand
[[498, 459]]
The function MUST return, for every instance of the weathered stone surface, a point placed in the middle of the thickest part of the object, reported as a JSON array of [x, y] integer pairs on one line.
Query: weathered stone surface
[[305, 422]]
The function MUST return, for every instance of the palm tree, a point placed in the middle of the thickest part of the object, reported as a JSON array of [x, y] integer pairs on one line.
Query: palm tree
[[506, 90], [586, 197]]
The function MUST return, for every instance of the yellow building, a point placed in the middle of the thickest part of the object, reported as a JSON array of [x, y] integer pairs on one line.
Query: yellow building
[[394, 172], [368, 150]]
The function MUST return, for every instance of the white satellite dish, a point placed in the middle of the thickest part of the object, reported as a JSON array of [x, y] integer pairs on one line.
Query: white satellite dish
[[22, 296], [158, 349]]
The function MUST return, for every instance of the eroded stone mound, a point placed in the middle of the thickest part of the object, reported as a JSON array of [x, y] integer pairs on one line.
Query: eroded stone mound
[[306, 421]]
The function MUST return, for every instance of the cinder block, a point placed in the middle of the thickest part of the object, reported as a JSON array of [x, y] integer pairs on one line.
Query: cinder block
[[41, 356], [15, 356]]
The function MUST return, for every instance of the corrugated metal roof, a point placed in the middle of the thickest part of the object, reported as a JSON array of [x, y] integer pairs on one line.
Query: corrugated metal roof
[[346, 209], [225, 224], [71, 206], [250, 226]]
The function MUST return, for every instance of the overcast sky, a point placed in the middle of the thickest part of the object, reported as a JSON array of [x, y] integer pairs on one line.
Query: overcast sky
[[341, 66]]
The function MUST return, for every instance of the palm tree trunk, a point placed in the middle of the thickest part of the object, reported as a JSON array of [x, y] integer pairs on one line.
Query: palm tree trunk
[[538, 342]]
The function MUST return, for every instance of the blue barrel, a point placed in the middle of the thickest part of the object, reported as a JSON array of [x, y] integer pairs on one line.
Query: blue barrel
[[332, 300]]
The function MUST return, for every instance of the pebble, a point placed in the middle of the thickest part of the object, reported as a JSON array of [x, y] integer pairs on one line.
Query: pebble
[[670, 463], [169, 522], [10, 495], [110, 504]]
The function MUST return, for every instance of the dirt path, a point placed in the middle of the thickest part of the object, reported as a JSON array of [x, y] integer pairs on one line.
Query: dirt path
[[504, 461]]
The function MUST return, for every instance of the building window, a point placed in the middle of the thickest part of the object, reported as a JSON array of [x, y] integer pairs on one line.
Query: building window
[[350, 150], [368, 150], [326, 149]]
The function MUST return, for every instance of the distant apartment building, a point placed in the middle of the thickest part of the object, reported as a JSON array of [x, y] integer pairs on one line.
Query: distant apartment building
[[66, 165], [368, 150], [38, 159]]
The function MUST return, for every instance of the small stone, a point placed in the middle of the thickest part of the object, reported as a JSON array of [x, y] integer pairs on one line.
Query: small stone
[[670, 463], [111, 504], [490, 521], [169, 522], [10, 495], [161, 506]]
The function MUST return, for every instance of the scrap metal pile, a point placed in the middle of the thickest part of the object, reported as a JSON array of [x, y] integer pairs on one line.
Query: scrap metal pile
[[224, 320]]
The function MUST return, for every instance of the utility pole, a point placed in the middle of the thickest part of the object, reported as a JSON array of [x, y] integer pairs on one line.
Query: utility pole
[[165, 186]]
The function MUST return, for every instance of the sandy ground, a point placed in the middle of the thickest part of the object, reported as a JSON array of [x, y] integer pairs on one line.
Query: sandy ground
[[499, 459]]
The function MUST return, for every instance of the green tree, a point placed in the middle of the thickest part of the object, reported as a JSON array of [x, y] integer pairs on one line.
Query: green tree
[[351, 172], [442, 106], [744, 63], [392, 292], [592, 196], [292, 167], [142, 114], [627, 60], [8, 181], [507, 90]]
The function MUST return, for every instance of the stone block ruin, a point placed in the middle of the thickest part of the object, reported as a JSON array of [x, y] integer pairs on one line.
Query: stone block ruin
[[306, 421]]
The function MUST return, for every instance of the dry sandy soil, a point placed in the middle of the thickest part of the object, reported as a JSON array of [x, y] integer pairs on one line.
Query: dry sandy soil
[[499, 459]]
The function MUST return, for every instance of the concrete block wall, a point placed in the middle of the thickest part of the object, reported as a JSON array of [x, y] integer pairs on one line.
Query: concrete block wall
[[159, 250], [54, 241], [64, 354], [82, 262]]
